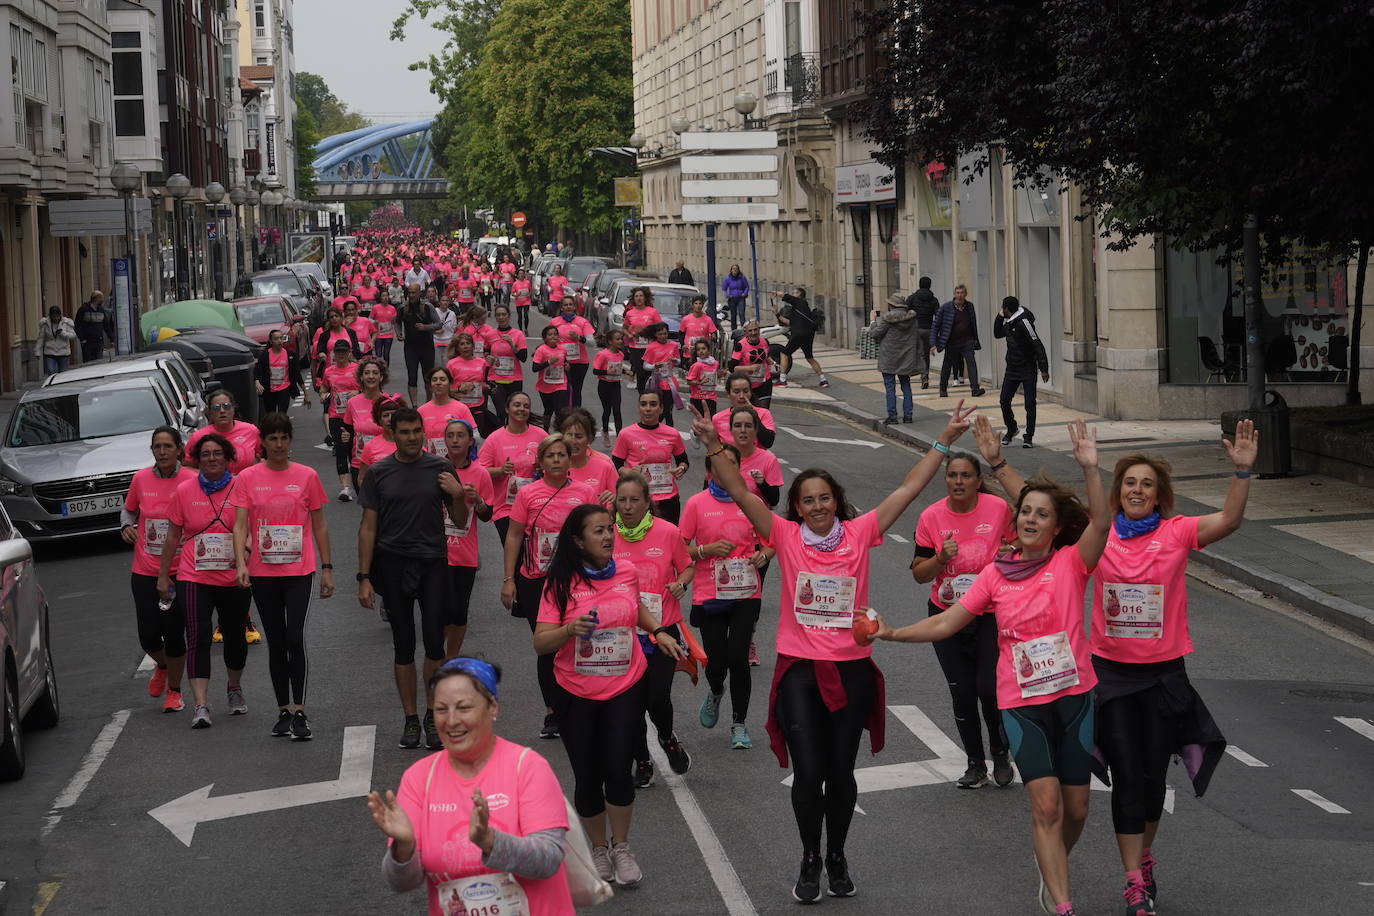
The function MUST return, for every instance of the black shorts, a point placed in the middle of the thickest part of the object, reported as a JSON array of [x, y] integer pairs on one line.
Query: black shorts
[[802, 342], [1053, 739]]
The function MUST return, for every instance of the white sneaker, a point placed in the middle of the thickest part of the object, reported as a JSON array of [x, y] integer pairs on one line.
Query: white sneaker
[[601, 861], [627, 873], [346, 495]]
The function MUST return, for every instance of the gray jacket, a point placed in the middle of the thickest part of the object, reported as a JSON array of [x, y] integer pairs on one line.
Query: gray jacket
[[899, 342]]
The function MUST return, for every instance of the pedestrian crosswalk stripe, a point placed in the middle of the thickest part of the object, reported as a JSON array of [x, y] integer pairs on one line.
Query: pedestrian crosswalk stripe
[[1326, 805], [1248, 759], [899, 539], [1360, 726]]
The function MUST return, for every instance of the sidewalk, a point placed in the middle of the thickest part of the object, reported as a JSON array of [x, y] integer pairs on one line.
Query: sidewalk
[[1308, 540]]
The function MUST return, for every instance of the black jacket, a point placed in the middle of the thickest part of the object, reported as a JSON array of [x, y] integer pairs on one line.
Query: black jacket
[[96, 325], [1025, 352], [681, 275], [924, 304], [263, 373]]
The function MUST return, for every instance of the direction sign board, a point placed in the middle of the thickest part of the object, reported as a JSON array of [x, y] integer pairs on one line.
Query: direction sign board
[[707, 165], [729, 139], [729, 213], [730, 187]]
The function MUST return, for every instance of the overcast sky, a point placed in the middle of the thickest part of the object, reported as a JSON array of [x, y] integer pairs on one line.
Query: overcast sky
[[361, 65]]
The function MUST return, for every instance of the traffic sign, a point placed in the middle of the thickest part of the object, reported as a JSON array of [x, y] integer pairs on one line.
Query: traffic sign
[[729, 139], [212, 231], [699, 165], [517, 219], [730, 187], [729, 213]]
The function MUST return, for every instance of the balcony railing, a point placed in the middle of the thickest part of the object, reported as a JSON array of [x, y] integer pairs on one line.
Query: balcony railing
[[252, 162], [802, 73]]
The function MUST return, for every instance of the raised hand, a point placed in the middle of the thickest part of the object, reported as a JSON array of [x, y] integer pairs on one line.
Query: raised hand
[[479, 829], [1084, 439], [390, 817], [703, 427], [989, 443], [1245, 448], [958, 423]]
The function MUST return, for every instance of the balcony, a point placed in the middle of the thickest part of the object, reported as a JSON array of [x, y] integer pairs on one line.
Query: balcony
[[252, 162], [802, 75]]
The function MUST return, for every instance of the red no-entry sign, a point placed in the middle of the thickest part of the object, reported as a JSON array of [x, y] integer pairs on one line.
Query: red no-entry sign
[[517, 219]]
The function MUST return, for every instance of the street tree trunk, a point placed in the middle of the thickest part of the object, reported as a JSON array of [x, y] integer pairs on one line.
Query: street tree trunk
[[1352, 389], [1254, 345]]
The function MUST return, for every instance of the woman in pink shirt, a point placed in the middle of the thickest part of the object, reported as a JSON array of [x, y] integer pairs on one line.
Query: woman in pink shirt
[[521, 294], [483, 335], [439, 410], [826, 688], [758, 466], [655, 548], [278, 524], [588, 613], [660, 361], [574, 333], [557, 284], [1044, 669], [639, 315], [224, 412], [550, 364], [701, 377], [611, 366], [337, 384], [144, 524], [481, 824], [657, 451], [586, 465], [508, 454], [696, 326], [468, 376], [363, 328], [738, 393], [382, 445], [359, 426], [383, 315], [459, 438], [509, 349]]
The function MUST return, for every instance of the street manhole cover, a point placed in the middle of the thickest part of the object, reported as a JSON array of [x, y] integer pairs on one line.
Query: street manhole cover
[[1326, 693]]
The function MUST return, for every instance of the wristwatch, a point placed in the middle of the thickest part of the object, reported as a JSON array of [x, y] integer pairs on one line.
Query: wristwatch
[[362, 576]]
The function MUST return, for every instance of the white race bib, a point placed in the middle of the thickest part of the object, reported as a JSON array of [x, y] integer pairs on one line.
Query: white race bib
[[154, 536], [544, 544], [757, 372], [1133, 611], [492, 894], [341, 400], [453, 531], [214, 552], [615, 368], [277, 377], [505, 365], [735, 577], [824, 601], [1044, 665], [605, 653], [471, 392], [280, 544], [513, 485], [553, 374], [479, 347], [572, 348], [384, 327], [438, 447], [955, 587], [660, 476], [653, 603]]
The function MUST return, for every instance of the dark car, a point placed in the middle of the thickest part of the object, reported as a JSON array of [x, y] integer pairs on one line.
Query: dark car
[[302, 292], [576, 270]]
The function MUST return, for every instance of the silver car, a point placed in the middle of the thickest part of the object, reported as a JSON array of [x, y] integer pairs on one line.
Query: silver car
[[166, 367], [27, 677], [316, 270], [71, 450]]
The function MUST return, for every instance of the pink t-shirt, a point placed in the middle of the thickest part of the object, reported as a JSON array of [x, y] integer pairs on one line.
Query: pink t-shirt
[[753, 360], [244, 436], [658, 354], [520, 292], [365, 329], [358, 414], [505, 364], [207, 532], [721, 419], [540, 509], [437, 417], [653, 451], [462, 542], [554, 376], [695, 328], [365, 294], [466, 288], [469, 380], [821, 591], [507, 271], [1034, 617], [1140, 598], [279, 367], [523, 796], [520, 449], [571, 336], [979, 532], [375, 450], [610, 365], [340, 384], [558, 287], [701, 379], [636, 320], [599, 473], [483, 337], [281, 540], [659, 557], [766, 463], [384, 316], [706, 520], [607, 662], [148, 498]]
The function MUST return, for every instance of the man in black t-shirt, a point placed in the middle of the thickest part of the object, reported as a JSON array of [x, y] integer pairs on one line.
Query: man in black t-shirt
[[403, 556], [802, 323]]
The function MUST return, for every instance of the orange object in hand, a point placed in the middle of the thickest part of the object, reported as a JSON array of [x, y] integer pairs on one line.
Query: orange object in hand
[[865, 625]]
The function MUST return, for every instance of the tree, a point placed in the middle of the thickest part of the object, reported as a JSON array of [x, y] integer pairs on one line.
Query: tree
[[331, 115], [1177, 118], [307, 135]]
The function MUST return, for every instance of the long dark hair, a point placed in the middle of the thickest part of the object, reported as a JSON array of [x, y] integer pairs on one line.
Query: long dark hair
[[565, 566], [843, 510]]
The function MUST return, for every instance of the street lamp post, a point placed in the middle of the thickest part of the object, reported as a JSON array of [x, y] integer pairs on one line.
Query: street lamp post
[[237, 197], [178, 186], [745, 102], [214, 193], [252, 198], [127, 179]]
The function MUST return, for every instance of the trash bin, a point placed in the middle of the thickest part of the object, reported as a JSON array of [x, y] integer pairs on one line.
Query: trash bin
[[194, 356], [234, 365], [1275, 457]]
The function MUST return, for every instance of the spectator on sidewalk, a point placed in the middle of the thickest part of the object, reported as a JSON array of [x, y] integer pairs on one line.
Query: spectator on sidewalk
[[680, 274], [735, 286], [955, 332], [1025, 354], [802, 323], [54, 342], [898, 337], [924, 304], [94, 325]]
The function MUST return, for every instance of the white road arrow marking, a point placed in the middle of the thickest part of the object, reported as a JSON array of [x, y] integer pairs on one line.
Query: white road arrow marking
[[181, 815], [860, 442]]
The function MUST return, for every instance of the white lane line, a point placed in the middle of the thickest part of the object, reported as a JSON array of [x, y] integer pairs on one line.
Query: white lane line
[[899, 539], [804, 436], [90, 764], [144, 666], [1248, 759], [1326, 805], [927, 732], [1359, 726], [732, 892]]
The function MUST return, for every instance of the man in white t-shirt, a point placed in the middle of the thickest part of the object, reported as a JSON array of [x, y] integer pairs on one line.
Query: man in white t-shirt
[[417, 275]]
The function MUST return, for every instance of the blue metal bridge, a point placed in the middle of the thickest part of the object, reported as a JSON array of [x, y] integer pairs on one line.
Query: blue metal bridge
[[381, 162]]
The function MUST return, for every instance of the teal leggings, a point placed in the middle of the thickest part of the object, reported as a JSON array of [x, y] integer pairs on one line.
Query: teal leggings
[[1053, 739]]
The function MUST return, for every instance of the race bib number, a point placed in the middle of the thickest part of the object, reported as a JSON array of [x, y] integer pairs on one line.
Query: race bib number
[[757, 372], [492, 894], [641, 342], [653, 603], [505, 365], [824, 601], [479, 347], [278, 377], [452, 531], [154, 536], [383, 328], [341, 400], [660, 475], [572, 348], [279, 544], [1133, 611], [513, 485], [1044, 665], [553, 373], [438, 447], [605, 653], [735, 578], [470, 392], [214, 552], [615, 368], [545, 542], [363, 441], [955, 587]]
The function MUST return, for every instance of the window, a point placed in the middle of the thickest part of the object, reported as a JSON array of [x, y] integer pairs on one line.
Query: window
[[791, 15], [126, 40], [259, 20], [128, 92]]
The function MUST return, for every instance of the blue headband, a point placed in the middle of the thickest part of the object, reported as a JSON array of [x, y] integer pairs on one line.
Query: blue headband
[[475, 667]]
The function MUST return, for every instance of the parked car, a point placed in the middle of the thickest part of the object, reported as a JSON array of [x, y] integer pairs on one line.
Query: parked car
[[604, 281], [169, 371], [280, 281], [583, 294], [576, 270], [540, 271], [71, 450], [28, 678], [262, 315], [673, 301], [314, 269]]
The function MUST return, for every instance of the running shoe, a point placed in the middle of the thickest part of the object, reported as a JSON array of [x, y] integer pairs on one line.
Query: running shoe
[[1002, 772], [201, 719], [739, 738], [158, 682], [753, 655], [644, 774], [808, 886], [410, 738], [300, 726], [282, 727], [432, 739], [979, 392], [1138, 903], [173, 701], [345, 495], [975, 777], [627, 873], [238, 706], [825, 383], [1026, 442], [251, 634], [1010, 434], [678, 758], [782, 380], [217, 636], [890, 421], [550, 729], [1147, 876], [709, 713], [837, 880], [1047, 903], [606, 439], [601, 861]]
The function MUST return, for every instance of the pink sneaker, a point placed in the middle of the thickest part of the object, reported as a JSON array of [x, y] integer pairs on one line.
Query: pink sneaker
[[174, 702], [753, 655], [158, 682]]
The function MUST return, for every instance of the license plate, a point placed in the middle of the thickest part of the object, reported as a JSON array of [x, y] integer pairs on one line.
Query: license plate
[[111, 502]]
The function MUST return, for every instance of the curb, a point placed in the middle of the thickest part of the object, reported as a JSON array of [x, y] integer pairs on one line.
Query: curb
[[1334, 610]]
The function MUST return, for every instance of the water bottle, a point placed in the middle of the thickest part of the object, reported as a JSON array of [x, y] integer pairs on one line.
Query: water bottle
[[584, 647], [165, 604]]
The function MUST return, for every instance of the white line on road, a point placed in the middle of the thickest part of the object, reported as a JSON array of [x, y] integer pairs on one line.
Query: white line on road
[[737, 902], [145, 665], [1326, 805], [899, 539], [929, 734], [1360, 726], [1248, 759], [859, 442], [90, 764]]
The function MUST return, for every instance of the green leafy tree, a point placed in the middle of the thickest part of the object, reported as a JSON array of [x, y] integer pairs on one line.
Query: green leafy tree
[[331, 115], [307, 135]]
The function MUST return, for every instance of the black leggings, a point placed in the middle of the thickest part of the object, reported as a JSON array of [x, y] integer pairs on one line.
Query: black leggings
[[382, 347], [419, 356], [402, 581], [823, 746], [969, 662], [230, 604], [637, 364], [706, 406], [577, 374], [158, 630], [599, 736], [1134, 734], [670, 508], [283, 605], [609, 393], [500, 393], [527, 592], [460, 580], [522, 317], [343, 451], [551, 402], [276, 401], [659, 701], [762, 396], [725, 637]]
